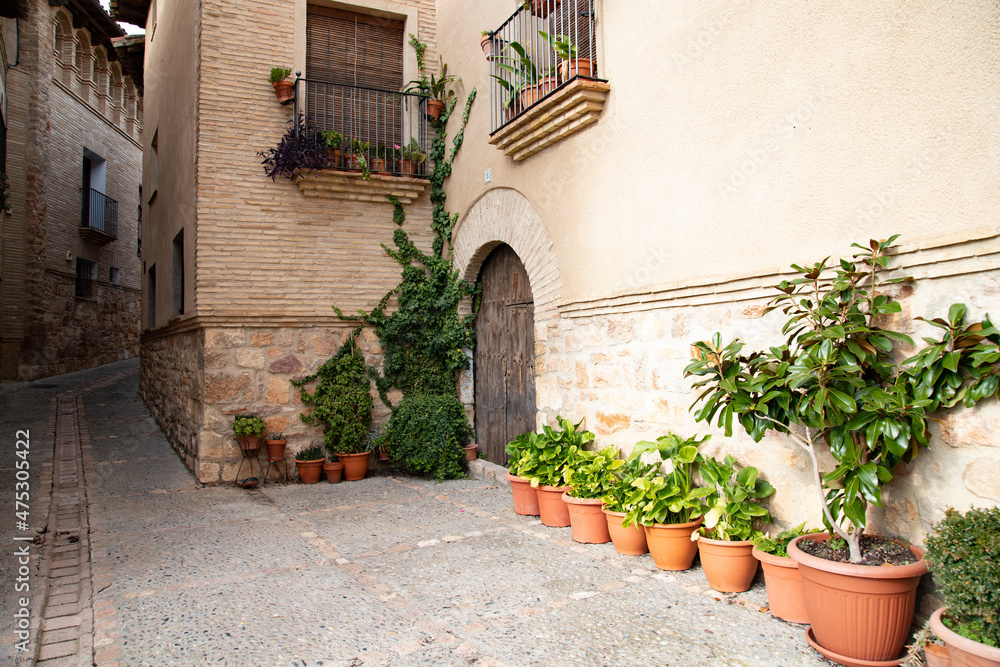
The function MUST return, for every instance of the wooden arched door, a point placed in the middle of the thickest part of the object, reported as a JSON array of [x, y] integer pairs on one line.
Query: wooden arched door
[[505, 354]]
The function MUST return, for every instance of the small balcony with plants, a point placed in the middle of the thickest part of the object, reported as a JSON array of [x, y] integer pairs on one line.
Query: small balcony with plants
[[99, 223], [545, 79], [353, 141]]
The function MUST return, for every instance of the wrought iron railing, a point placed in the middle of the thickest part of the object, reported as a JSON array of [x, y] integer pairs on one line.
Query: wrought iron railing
[[544, 45], [389, 128], [101, 213]]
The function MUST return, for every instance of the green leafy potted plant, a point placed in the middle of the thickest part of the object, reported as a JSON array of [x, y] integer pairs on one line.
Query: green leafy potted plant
[[570, 63], [438, 89], [426, 434], [732, 517], [309, 463], [628, 540], [520, 451], [248, 429], [334, 142], [411, 159], [283, 88], [835, 385], [276, 444], [342, 405], [781, 574], [963, 555], [544, 462], [590, 477], [520, 80], [668, 504]]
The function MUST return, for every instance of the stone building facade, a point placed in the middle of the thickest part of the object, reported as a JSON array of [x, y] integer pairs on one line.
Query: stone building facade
[[69, 280], [650, 208]]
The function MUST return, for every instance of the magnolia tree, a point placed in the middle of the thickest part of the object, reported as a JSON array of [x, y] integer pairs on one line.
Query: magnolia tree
[[838, 382]]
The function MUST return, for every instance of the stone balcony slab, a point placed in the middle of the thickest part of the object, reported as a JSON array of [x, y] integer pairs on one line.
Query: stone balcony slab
[[334, 184]]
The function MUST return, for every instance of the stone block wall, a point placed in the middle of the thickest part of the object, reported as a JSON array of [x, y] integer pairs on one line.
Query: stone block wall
[[623, 372], [171, 384]]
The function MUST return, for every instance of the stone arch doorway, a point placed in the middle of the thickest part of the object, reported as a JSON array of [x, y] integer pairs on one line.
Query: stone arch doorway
[[505, 354]]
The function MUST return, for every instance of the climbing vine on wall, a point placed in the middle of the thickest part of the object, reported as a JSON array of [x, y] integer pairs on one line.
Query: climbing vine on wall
[[424, 338]]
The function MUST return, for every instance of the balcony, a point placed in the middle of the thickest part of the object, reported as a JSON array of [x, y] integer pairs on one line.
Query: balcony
[[388, 129], [545, 83], [100, 218]]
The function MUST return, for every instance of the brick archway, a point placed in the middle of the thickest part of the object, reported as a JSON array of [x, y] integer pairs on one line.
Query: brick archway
[[503, 215]]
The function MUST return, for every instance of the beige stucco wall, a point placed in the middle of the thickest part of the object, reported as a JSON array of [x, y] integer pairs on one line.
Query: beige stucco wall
[[738, 138]]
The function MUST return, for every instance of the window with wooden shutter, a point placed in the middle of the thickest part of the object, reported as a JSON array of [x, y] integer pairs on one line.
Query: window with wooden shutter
[[354, 49], [354, 72]]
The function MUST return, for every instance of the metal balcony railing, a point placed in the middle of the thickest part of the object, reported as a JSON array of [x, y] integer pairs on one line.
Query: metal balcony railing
[[101, 214], [389, 127], [541, 47]]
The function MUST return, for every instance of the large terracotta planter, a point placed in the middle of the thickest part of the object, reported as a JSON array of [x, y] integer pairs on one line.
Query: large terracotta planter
[[670, 544], [858, 612], [552, 508], [355, 465], [525, 496], [729, 566], [334, 470], [586, 518], [309, 471], [784, 587], [964, 652], [532, 94], [629, 541]]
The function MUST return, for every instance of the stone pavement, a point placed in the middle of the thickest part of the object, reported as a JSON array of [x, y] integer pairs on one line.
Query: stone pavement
[[141, 565]]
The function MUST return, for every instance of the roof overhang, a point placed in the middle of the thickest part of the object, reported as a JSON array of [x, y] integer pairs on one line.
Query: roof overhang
[[90, 15], [131, 51], [130, 11]]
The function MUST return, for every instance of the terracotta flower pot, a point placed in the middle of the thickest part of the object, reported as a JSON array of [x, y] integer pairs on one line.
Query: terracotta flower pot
[[784, 587], [586, 518], [541, 8], [532, 94], [553, 510], [858, 612], [409, 167], [434, 108], [355, 466], [382, 454], [284, 90], [629, 541], [964, 652], [936, 655], [471, 451], [486, 44], [576, 67], [729, 566], [525, 496], [276, 449], [250, 442], [334, 158], [309, 471], [670, 544], [333, 470]]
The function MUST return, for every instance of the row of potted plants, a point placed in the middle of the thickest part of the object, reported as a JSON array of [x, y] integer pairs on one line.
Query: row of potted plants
[[835, 386], [343, 153]]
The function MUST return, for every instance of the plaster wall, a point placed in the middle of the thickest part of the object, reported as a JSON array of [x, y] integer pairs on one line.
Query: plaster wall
[[739, 138]]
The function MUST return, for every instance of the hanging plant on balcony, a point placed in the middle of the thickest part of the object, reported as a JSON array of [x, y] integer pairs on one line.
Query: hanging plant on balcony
[[283, 88], [571, 64], [300, 150], [438, 89]]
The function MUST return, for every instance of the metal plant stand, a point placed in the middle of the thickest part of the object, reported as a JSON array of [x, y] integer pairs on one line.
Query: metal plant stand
[[250, 456], [277, 463]]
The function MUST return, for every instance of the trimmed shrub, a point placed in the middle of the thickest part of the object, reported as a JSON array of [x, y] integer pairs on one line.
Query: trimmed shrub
[[426, 434]]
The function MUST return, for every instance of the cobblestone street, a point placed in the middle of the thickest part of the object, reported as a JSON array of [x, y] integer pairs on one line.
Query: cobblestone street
[[141, 565]]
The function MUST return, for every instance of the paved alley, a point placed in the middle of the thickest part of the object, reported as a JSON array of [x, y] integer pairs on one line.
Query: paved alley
[[141, 565]]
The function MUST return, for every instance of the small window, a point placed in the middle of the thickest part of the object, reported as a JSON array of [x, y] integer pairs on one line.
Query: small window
[[154, 166], [86, 272], [116, 276], [179, 273], [151, 297]]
